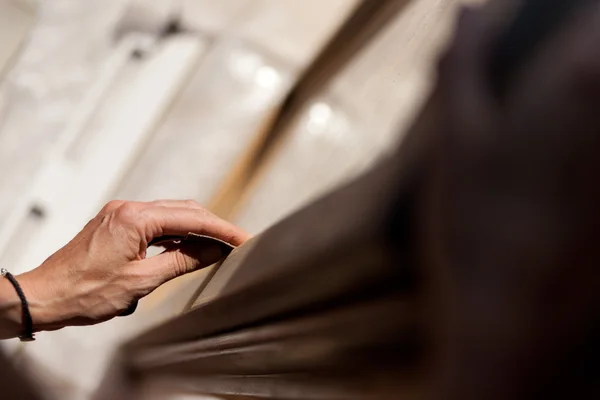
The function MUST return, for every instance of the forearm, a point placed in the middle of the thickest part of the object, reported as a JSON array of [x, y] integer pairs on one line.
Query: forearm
[[100, 273], [10, 311]]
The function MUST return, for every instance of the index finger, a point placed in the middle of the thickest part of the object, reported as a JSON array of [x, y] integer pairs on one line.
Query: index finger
[[160, 221]]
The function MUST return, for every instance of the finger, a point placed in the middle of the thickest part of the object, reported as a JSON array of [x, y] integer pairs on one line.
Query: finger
[[114, 205], [160, 221], [178, 204], [180, 261]]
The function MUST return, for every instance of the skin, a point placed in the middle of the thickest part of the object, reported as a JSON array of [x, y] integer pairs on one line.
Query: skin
[[104, 269]]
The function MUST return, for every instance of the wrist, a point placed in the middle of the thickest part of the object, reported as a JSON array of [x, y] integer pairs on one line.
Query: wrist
[[10, 311], [42, 311]]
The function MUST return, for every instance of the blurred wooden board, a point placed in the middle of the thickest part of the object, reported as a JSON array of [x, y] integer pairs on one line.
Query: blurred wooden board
[[294, 30], [287, 346], [233, 93], [57, 65], [209, 126], [290, 268], [16, 20], [366, 20], [215, 17], [353, 120], [291, 30], [306, 313]]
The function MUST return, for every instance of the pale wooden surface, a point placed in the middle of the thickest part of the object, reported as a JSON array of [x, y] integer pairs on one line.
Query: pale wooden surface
[[209, 126], [245, 76], [215, 17], [290, 30], [294, 30], [355, 120], [16, 20], [57, 65]]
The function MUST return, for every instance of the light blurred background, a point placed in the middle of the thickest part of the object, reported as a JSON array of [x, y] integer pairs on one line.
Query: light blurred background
[[142, 100]]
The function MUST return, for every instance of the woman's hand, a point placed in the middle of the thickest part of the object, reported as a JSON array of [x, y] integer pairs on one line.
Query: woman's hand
[[104, 268]]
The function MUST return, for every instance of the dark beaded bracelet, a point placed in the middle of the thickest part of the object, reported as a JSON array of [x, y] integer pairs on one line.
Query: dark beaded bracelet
[[27, 335]]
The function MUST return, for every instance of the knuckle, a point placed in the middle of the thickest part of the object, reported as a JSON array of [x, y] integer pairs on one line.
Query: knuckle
[[192, 203], [180, 263], [203, 214], [111, 206], [127, 213]]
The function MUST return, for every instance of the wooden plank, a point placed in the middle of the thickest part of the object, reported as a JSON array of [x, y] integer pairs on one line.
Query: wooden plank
[[215, 17], [209, 126], [366, 20], [60, 61], [296, 31], [292, 31], [16, 20], [339, 339], [352, 121], [290, 268], [236, 89], [376, 385]]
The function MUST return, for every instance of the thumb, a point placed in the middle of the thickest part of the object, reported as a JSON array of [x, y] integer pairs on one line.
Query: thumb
[[181, 260]]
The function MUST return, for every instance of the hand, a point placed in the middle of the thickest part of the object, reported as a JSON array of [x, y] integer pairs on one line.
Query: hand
[[104, 269]]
